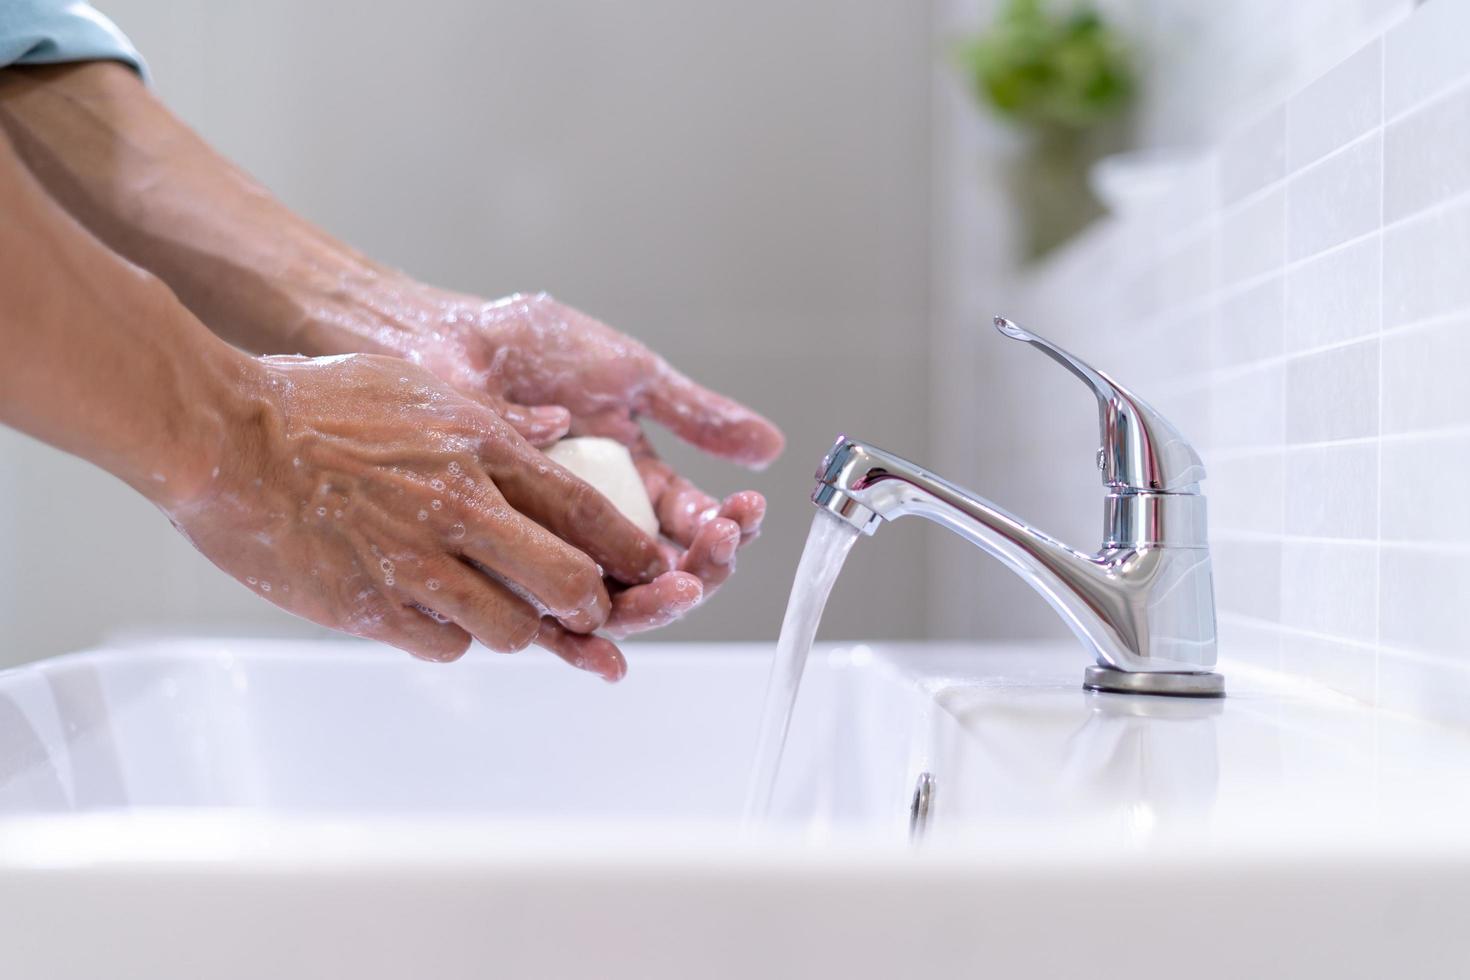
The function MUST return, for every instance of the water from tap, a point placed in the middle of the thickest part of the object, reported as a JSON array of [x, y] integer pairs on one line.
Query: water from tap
[[827, 546]]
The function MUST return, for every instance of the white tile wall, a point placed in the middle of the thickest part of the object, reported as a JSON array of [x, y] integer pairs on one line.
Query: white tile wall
[[1310, 316]]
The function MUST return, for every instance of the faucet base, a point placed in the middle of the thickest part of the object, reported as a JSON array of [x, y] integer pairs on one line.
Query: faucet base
[[1169, 684]]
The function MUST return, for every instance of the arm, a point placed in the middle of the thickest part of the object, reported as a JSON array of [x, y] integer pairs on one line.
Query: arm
[[152, 190], [100, 359], [358, 492], [270, 281]]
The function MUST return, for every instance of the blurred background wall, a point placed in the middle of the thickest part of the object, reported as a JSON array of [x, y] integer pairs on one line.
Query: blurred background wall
[[1007, 422], [798, 203], [744, 186]]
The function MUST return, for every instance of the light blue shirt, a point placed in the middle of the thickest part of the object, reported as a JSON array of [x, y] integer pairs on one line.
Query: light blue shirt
[[49, 32]]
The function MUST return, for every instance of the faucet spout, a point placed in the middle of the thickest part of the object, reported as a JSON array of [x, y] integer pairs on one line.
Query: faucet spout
[[1143, 604]]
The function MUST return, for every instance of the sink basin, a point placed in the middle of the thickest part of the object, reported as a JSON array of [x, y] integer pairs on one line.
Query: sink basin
[[315, 730], [230, 808]]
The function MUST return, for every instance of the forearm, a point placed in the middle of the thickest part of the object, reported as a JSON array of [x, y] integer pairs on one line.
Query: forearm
[[100, 359], [153, 190]]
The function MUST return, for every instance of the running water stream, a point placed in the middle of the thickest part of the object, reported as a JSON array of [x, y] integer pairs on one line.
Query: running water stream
[[826, 549]]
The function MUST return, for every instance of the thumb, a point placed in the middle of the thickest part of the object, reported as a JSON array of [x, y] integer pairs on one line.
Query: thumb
[[540, 425]]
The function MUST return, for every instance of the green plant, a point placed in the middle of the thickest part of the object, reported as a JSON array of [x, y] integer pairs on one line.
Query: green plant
[[1041, 67]]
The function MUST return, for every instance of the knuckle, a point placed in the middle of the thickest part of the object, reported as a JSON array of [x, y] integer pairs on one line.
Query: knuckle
[[453, 647], [519, 630], [585, 506], [581, 587]]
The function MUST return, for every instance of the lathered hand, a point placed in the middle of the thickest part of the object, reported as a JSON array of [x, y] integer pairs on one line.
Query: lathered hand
[[268, 281], [366, 495], [533, 350]]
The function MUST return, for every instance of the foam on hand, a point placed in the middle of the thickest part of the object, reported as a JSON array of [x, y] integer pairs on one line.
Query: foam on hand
[[608, 466]]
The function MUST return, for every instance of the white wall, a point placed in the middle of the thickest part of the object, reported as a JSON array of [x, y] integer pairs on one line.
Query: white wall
[[1006, 422], [743, 185], [1298, 302]]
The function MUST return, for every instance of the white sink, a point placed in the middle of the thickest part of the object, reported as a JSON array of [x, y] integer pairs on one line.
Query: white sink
[[252, 808]]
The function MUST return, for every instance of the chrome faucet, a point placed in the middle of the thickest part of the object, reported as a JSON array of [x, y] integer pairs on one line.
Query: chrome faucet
[[1144, 604]]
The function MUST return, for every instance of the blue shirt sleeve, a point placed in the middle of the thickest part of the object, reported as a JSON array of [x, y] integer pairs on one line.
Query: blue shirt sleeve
[[49, 32]]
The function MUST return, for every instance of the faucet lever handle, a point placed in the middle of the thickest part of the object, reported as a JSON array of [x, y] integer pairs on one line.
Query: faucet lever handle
[[1141, 450]]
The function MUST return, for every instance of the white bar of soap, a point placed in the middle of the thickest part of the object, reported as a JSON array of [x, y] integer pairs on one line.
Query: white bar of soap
[[608, 466]]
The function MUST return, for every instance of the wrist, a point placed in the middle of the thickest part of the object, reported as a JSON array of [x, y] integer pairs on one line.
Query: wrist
[[202, 395], [363, 311], [390, 314]]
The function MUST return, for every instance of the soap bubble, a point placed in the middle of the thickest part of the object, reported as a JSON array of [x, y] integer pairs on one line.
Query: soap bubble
[[423, 515], [432, 584]]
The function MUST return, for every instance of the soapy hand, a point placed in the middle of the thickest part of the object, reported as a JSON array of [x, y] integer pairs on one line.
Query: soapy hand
[[366, 495], [268, 281], [585, 378]]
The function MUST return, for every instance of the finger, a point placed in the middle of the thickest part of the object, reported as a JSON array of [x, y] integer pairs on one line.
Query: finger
[[683, 508], [481, 606], [614, 423], [711, 555], [423, 635], [680, 506], [561, 578], [576, 513], [747, 509], [660, 602], [591, 653], [711, 421], [540, 425]]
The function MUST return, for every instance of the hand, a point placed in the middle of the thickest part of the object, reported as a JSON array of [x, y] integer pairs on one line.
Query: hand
[[365, 495], [267, 280], [585, 378]]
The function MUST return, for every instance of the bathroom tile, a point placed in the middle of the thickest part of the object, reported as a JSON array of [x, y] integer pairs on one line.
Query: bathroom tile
[[1332, 491], [1249, 325], [1423, 599], [1248, 642], [1245, 493], [1186, 273], [1247, 577], [1334, 297], [1191, 198], [1335, 199], [1330, 588], [1253, 158], [1426, 489], [1426, 377], [1432, 688], [1426, 156], [1182, 349], [1333, 394], [1253, 237], [1347, 668], [1188, 408], [1424, 268], [1337, 108], [1247, 410], [1426, 54]]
